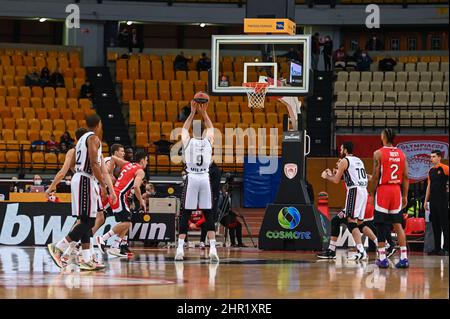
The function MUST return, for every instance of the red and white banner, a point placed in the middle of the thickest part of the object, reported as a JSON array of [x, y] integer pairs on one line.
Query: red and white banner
[[417, 149]]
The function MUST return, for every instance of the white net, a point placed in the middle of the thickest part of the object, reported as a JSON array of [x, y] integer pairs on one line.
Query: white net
[[256, 94]]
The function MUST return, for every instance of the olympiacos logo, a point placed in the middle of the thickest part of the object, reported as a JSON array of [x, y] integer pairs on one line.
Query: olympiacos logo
[[418, 156]]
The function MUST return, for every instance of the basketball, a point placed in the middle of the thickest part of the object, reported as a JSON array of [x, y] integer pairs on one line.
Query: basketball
[[201, 97]]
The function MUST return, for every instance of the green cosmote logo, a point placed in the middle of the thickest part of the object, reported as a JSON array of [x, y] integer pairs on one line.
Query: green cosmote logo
[[289, 217]]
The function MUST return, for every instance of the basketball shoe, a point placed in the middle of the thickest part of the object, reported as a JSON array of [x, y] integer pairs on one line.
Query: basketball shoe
[[56, 254], [403, 263], [327, 254], [100, 243], [382, 263]]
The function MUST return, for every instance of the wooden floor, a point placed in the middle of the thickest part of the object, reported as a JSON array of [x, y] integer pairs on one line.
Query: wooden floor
[[246, 273]]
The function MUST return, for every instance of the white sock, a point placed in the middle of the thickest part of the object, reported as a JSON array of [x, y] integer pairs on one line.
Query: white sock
[[86, 254], [212, 244], [180, 243], [332, 245], [403, 252], [62, 244], [360, 248], [375, 241], [382, 253], [387, 245], [125, 239], [108, 235], [92, 247]]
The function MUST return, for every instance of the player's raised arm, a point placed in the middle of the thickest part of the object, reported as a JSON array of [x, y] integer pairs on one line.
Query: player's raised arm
[[373, 182], [120, 162], [185, 136], [336, 178], [69, 162], [208, 123], [405, 185]]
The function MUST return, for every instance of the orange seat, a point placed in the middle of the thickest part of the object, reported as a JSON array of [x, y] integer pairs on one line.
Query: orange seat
[[33, 135], [36, 102], [9, 123], [38, 160], [13, 91], [59, 125], [141, 139], [12, 159], [24, 102], [71, 125], [47, 125], [45, 135], [34, 124], [72, 103], [7, 134], [41, 113], [48, 102], [21, 124], [12, 101], [66, 114], [85, 104], [37, 91], [51, 161], [49, 92], [60, 102], [20, 134]]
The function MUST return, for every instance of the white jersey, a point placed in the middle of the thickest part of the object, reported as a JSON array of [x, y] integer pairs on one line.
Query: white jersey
[[198, 155], [355, 174], [82, 162]]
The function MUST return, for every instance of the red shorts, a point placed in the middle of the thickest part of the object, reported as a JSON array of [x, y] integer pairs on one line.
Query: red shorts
[[368, 214], [388, 199], [121, 204]]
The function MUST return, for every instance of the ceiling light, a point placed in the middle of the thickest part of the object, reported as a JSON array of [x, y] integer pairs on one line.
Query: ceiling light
[[129, 22], [202, 25], [42, 19]]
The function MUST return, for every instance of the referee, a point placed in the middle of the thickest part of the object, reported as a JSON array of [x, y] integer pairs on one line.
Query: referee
[[437, 200]]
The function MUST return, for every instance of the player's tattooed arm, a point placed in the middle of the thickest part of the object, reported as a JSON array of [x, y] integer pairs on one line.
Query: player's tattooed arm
[[373, 182]]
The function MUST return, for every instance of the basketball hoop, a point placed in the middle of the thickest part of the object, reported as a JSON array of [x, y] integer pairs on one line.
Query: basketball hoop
[[256, 94]]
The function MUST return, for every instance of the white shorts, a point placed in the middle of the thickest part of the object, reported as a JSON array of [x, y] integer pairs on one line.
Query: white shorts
[[197, 192], [85, 196], [355, 203]]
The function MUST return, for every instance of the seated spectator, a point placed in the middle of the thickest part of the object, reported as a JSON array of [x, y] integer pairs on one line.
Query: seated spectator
[[340, 55], [204, 64], [32, 79], [224, 82], [66, 142], [355, 56], [374, 44], [364, 62], [45, 77], [37, 181], [57, 80], [87, 91], [135, 41], [387, 64], [180, 62], [149, 193], [52, 145], [163, 146]]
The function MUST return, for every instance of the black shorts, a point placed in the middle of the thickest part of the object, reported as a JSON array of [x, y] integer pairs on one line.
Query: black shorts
[[123, 216], [384, 218]]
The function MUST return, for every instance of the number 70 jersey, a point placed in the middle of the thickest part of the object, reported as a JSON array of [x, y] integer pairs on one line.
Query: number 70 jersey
[[392, 165], [198, 155]]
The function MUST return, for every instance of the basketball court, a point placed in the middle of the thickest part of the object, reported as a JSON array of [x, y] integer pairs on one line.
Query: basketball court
[[30, 273]]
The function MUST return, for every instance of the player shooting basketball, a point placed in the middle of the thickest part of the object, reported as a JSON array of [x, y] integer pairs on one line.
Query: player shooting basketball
[[197, 153]]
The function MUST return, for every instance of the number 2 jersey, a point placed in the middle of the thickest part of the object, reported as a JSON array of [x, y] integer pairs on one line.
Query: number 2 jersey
[[123, 186], [388, 196]]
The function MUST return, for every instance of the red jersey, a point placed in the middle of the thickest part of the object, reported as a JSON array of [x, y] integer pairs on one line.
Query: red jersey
[[197, 218], [126, 178], [392, 165]]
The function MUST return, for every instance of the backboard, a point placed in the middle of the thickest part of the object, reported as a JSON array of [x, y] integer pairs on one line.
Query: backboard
[[283, 59]]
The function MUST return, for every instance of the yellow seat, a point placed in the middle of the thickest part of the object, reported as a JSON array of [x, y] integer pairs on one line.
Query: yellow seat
[[34, 124], [21, 124], [38, 160], [12, 159], [20, 134], [33, 135], [59, 125], [85, 104], [47, 125], [141, 139], [24, 102], [37, 91], [49, 92], [7, 134], [51, 161], [71, 125], [45, 135]]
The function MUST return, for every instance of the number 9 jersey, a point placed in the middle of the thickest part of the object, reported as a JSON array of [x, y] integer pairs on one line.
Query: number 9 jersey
[[388, 196], [198, 155]]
